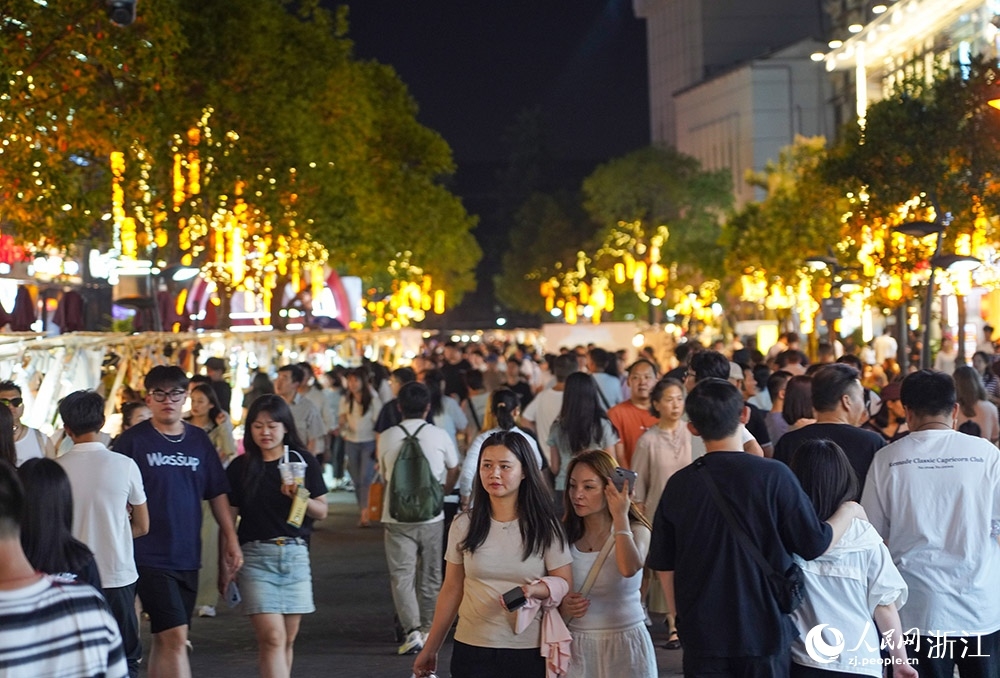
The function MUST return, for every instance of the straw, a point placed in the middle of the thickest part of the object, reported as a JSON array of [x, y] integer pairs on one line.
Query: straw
[[286, 454]]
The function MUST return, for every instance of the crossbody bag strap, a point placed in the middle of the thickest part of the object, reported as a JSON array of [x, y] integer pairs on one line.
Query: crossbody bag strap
[[595, 569], [727, 513]]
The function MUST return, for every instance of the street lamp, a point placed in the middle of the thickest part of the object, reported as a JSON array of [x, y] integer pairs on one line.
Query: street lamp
[[922, 229]]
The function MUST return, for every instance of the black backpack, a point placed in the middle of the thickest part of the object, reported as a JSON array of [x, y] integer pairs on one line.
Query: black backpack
[[415, 495]]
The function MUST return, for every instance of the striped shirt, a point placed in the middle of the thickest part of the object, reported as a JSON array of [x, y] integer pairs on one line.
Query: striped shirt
[[51, 629]]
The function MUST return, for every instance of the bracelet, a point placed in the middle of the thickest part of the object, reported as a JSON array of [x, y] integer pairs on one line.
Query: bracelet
[[628, 532]]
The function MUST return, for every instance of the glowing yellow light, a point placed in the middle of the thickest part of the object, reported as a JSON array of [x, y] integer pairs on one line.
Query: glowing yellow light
[[439, 301], [620, 273]]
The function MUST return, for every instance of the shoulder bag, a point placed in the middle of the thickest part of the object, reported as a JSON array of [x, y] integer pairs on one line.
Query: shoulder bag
[[595, 569], [788, 589]]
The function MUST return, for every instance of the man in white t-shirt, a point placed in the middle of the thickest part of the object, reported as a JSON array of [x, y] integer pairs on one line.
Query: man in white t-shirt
[[544, 407], [885, 346], [933, 496], [109, 510], [413, 550]]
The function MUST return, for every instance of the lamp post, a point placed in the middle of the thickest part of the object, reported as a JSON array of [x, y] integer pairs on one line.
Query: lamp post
[[957, 263], [922, 229]]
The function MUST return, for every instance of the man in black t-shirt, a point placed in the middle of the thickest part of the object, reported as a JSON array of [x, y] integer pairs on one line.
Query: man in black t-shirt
[[454, 369], [728, 620], [838, 401]]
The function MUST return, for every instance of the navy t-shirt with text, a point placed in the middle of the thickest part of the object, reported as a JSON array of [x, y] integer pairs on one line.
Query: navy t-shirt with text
[[176, 476]]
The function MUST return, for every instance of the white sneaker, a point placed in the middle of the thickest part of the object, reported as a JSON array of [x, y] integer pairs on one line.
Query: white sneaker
[[206, 611], [413, 644]]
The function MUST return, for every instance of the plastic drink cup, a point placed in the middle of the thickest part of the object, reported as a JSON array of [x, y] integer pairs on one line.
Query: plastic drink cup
[[298, 472], [285, 469]]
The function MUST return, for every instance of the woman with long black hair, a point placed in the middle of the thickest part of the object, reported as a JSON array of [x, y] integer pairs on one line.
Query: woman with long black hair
[[47, 525], [511, 538], [582, 424], [276, 579], [359, 410]]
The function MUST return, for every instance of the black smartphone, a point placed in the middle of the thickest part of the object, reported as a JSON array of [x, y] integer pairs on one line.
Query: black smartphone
[[514, 598], [620, 475]]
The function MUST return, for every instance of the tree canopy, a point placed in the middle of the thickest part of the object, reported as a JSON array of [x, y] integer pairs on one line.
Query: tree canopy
[[262, 104]]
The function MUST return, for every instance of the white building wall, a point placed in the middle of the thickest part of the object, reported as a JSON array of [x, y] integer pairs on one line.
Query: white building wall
[[742, 119], [691, 40]]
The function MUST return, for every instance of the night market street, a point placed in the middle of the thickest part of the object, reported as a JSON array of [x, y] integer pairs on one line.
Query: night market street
[[350, 635]]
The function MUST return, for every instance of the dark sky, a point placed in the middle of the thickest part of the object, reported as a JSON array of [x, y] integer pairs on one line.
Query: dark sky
[[473, 65]]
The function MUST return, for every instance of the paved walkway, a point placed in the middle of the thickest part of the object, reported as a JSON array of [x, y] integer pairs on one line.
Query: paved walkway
[[350, 635]]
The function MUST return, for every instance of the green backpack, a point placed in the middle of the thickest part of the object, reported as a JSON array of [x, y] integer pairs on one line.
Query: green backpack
[[415, 495]]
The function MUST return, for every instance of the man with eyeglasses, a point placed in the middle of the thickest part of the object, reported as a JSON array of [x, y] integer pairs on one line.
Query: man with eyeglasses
[[28, 442], [179, 467]]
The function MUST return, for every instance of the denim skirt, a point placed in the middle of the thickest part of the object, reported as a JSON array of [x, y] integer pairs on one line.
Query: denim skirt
[[276, 579]]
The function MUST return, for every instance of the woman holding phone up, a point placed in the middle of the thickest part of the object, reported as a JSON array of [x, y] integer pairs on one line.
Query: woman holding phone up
[[608, 534], [510, 540]]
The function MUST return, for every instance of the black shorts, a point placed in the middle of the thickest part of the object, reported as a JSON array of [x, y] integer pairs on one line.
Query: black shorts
[[167, 596]]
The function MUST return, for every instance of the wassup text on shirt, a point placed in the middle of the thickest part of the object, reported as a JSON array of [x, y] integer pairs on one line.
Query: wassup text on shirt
[[160, 459]]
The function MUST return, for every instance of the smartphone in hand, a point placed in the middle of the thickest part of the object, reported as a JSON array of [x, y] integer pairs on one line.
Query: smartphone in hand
[[514, 599], [620, 475]]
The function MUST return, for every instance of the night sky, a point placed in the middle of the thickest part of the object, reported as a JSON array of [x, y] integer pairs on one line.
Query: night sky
[[473, 65]]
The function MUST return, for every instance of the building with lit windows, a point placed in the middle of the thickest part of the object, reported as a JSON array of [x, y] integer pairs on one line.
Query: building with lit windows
[[876, 45]]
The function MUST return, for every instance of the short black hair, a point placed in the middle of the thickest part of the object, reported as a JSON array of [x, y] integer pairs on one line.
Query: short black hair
[[714, 407], [643, 361], [294, 371], [709, 365], [776, 382], [164, 377], [850, 359], [82, 412], [928, 393], [791, 356], [831, 383], [404, 375], [10, 386], [413, 399], [215, 363], [564, 365]]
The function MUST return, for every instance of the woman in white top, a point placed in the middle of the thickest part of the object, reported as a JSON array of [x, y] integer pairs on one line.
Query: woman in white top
[[609, 633], [445, 410], [849, 585], [505, 409], [973, 403], [359, 410], [511, 538]]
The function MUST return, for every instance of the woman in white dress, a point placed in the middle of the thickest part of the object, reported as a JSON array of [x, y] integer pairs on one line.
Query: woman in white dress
[[609, 634]]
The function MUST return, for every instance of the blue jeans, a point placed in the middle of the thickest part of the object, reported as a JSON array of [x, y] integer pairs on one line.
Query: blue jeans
[[360, 458]]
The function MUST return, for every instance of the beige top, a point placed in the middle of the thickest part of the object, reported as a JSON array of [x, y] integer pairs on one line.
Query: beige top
[[659, 454], [495, 568]]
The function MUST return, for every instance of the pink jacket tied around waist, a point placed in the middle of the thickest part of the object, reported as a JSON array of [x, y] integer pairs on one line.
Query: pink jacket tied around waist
[[555, 636]]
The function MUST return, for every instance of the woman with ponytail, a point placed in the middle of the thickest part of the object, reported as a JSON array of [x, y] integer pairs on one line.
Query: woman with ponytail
[[505, 408]]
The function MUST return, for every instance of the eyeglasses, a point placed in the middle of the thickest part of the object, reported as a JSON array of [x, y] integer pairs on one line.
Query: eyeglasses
[[11, 402], [174, 396]]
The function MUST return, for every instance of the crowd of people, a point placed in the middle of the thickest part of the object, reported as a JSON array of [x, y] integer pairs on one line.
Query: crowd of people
[[779, 517]]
